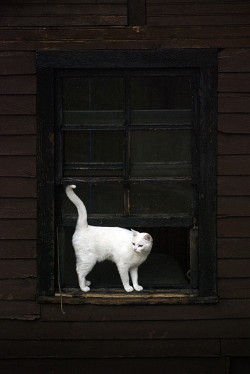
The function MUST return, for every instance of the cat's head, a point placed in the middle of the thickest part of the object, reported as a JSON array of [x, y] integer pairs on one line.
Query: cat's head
[[141, 242]]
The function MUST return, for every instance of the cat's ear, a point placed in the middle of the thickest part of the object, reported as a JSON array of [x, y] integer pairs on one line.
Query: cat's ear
[[135, 233], [148, 238]]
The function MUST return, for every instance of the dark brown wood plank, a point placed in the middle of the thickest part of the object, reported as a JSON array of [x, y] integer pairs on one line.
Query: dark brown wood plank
[[234, 60], [193, 20], [240, 365], [170, 42], [70, 20], [17, 268], [136, 12], [64, 10], [18, 84], [26, 62], [234, 123], [18, 229], [231, 206], [222, 310], [238, 144], [14, 2], [109, 348], [18, 145], [233, 248], [233, 268], [17, 104], [17, 125], [233, 185], [18, 208], [234, 103], [18, 289], [17, 248], [81, 33], [141, 330], [236, 288], [234, 227], [215, 365], [22, 310], [18, 166], [193, 8], [235, 347], [234, 165], [18, 187], [237, 82]]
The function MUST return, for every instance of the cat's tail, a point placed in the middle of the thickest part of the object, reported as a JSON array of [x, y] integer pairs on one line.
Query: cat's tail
[[82, 212]]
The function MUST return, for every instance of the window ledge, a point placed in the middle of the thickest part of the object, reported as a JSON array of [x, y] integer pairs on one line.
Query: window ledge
[[117, 297]]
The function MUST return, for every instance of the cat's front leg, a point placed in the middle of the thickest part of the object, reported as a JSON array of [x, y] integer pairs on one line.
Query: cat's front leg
[[134, 277], [123, 271]]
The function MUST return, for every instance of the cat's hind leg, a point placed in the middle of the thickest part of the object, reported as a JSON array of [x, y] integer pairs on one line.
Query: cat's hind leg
[[134, 276], [83, 268]]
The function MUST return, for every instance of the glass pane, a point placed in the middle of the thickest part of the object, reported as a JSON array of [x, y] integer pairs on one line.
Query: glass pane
[[93, 100], [161, 99], [99, 198], [160, 198], [93, 146], [160, 153]]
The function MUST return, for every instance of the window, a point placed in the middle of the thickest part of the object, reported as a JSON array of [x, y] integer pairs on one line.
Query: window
[[135, 131]]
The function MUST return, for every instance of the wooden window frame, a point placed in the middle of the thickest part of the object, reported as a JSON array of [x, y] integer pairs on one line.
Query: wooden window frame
[[48, 64]]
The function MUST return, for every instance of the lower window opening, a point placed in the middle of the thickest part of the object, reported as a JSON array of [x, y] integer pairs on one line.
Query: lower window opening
[[167, 266]]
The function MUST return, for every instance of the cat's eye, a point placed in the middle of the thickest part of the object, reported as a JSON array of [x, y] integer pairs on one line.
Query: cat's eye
[[140, 245], [133, 243]]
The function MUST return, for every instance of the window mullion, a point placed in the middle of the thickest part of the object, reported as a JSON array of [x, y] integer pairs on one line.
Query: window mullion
[[127, 146]]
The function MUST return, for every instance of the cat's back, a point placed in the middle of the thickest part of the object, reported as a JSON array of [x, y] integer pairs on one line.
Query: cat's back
[[102, 237]]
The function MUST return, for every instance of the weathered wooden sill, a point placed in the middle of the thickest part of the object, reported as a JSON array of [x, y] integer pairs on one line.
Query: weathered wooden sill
[[117, 297]]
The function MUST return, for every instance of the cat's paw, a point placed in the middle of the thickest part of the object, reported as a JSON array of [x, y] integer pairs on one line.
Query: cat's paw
[[138, 288], [128, 288], [85, 289], [88, 283]]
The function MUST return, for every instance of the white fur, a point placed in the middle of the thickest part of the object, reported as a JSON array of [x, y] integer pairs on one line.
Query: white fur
[[127, 249]]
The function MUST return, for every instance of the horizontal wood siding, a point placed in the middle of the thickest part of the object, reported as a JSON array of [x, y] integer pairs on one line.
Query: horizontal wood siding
[[18, 186], [38, 337]]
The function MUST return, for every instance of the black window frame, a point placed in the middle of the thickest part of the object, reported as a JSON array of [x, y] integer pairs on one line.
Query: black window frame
[[205, 63]]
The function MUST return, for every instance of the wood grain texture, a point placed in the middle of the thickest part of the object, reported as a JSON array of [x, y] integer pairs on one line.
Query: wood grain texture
[[234, 60], [223, 310], [17, 145], [18, 208], [111, 331], [192, 365], [9, 66], [17, 104], [232, 123], [18, 166], [18, 229], [17, 84], [17, 268], [233, 248], [17, 248], [233, 185], [108, 348], [18, 186], [19, 309], [234, 227], [234, 288], [17, 289], [231, 206], [17, 124]]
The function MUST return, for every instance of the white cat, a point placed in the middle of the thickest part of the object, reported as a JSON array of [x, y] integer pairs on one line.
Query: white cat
[[127, 249]]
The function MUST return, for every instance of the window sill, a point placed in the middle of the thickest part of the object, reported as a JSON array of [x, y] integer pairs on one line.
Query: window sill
[[117, 297]]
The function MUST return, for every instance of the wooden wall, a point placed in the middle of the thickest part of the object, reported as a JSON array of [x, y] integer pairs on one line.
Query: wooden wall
[[109, 339]]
